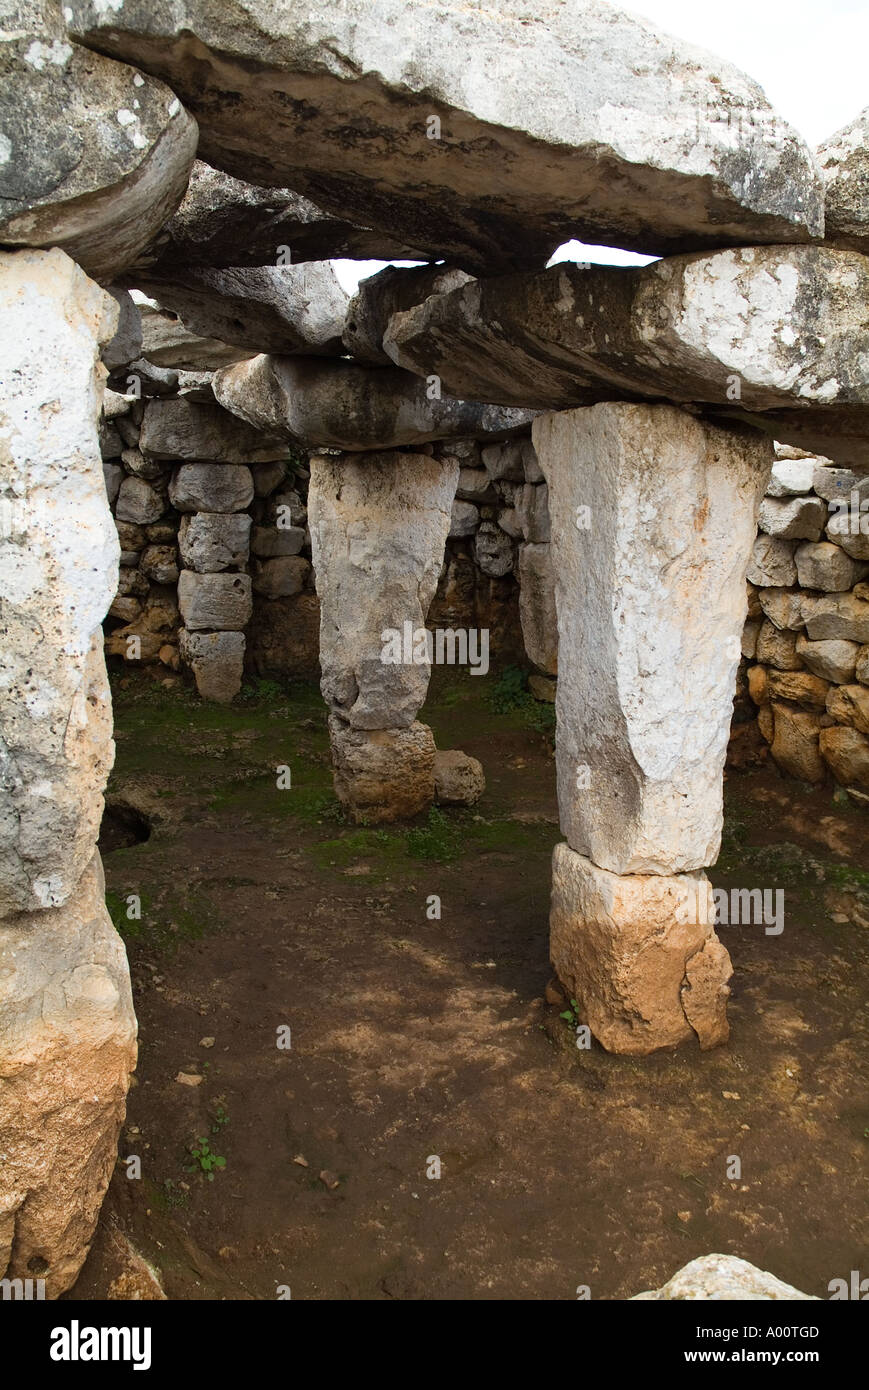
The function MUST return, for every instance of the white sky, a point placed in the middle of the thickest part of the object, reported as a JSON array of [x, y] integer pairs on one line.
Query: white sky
[[810, 56]]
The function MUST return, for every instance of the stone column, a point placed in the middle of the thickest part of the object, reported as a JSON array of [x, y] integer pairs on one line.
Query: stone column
[[379, 524], [653, 521], [67, 1029]]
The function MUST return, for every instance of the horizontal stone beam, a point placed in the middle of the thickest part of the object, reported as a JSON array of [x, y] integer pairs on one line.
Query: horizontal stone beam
[[421, 121], [320, 403]]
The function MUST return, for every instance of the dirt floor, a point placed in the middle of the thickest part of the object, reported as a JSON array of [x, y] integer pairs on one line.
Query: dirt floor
[[305, 1167]]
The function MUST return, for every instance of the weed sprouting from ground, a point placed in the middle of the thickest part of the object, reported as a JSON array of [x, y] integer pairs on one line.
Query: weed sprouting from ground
[[510, 695], [437, 840]]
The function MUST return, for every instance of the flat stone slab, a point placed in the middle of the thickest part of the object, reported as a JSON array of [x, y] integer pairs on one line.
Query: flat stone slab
[[224, 221], [626, 136], [180, 428], [844, 161], [284, 309], [326, 404], [756, 329], [96, 155]]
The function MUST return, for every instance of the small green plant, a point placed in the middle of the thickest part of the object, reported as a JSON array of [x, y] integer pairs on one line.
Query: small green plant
[[221, 1119], [437, 839], [510, 690], [204, 1161], [571, 1015]]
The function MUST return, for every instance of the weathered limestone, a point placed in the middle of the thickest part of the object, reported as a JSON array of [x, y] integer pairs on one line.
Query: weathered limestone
[[212, 541], [383, 775], [217, 662], [459, 778], [285, 309], [96, 156], [737, 328], [844, 161], [379, 523], [325, 404], [220, 602], [389, 292], [181, 428], [223, 221], [537, 609], [166, 343], [643, 964], [67, 1047], [717, 1278], [211, 488], [630, 138], [58, 575], [126, 345], [653, 521]]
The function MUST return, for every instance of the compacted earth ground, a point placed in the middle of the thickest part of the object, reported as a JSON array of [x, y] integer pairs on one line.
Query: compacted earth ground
[[314, 1037]]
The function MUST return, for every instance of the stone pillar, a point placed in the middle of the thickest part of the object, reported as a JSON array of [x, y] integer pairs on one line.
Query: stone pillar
[[67, 1029], [214, 597], [653, 521], [379, 524]]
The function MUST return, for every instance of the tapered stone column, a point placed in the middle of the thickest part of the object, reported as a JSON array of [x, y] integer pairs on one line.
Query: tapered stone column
[[67, 1028], [379, 524], [653, 519]]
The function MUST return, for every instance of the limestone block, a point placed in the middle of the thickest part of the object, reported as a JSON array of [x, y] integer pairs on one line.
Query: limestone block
[[160, 564], [844, 162], [833, 660], [850, 529], [849, 704], [791, 477], [822, 565], [493, 550], [58, 574], [537, 606], [281, 577], [139, 502], [213, 541], [214, 601], [211, 487], [459, 779], [716, 1278], [532, 509], [772, 562], [390, 291], [67, 1047], [846, 753], [464, 519], [383, 775], [836, 616], [267, 308], [113, 475], [801, 687], [862, 668], [776, 648], [639, 954], [184, 429], [270, 541], [629, 137], [126, 345], [379, 525], [792, 518], [217, 662], [795, 741], [783, 607], [653, 521], [96, 155], [324, 403]]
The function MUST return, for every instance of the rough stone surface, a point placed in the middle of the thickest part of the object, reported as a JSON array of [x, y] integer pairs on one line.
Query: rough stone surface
[[795, 741], [213, 541], [285, 309], [166, 343], [772, 562], [833, 660], [185, 429], [390, 291], [793, 518], [464, 519], [224, 221], [95, 155], [836, 616], [631, 138], [846, 753], [822, 565], [218, 601], [58, 575], [379, 524], [650, 618], [844, 162], [282, 576], [270, 541], [211, 487], [283, 637], [537, 606], [849, 704], [126, 345], [217, 662], [493, 550], [717, 1278], [67, 1047], [383, 775], [737, 329], [326, 404], [459, 778], [791, 477], [645, 972], [139, 502]]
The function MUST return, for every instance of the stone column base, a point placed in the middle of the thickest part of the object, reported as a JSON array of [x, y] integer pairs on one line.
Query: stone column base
[[383, 775], [644, 971]]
